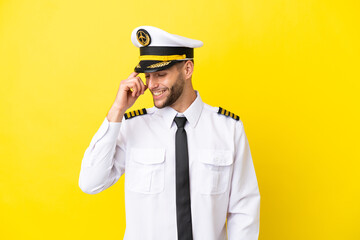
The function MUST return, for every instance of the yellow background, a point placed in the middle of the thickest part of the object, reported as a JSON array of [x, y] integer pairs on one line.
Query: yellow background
[[289, 68]]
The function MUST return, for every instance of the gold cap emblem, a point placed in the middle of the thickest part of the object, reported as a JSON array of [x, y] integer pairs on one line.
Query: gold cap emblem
[[143, 37]]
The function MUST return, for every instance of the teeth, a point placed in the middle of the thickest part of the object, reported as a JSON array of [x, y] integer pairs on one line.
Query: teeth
[[158, 93]]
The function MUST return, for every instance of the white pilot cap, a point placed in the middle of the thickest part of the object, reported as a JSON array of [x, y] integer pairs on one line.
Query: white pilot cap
[[159, 37], [160, 50]]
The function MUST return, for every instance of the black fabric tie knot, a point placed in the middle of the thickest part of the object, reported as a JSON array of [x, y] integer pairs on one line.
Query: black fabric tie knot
[[183, 205], [180, 121]]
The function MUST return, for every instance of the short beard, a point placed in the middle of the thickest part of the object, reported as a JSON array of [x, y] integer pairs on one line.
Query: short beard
[[175, 92]]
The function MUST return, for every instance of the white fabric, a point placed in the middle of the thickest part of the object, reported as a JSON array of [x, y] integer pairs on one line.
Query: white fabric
[[162, 38], [223, 182]]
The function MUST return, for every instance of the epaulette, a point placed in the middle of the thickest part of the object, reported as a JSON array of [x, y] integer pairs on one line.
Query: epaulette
[[135, 113], [229, 114]]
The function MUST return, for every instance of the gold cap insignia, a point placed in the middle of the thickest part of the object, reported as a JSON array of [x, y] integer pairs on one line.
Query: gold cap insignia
[[143, 37]]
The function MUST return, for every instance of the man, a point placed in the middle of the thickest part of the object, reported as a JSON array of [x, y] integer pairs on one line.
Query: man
[[187, 165]]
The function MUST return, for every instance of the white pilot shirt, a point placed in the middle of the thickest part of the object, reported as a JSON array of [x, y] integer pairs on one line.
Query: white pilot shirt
[[223, 183]]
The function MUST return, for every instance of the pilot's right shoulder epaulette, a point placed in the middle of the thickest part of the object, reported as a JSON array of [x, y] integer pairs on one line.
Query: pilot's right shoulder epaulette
[[135, 113], [227, 113]]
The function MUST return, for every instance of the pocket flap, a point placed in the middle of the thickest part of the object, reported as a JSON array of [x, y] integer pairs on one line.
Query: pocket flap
[[147, 155], [216, 157]]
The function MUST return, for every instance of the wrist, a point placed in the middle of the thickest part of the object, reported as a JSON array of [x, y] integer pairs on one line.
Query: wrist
[[118, 108], [115, 114]]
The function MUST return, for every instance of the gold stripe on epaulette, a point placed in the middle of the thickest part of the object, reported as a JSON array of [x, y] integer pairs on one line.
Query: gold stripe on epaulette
[[135, 113], [228, 114]]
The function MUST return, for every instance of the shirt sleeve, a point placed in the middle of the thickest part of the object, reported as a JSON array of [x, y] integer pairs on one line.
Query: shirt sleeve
[[243, 218], [104, 159]]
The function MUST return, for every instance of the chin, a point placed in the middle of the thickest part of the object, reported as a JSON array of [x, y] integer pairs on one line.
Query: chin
[[159, 104]]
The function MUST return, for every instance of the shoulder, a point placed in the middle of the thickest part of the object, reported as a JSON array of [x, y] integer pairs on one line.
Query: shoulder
[[221, 112]]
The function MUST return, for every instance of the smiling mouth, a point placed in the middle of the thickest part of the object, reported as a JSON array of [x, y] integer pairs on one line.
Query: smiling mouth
[[158, 93]]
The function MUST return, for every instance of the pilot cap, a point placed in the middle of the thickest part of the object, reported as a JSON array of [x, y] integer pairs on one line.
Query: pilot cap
[[160, 50]]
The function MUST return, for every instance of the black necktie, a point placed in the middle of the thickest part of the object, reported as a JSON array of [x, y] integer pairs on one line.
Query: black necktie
[[183, 208]]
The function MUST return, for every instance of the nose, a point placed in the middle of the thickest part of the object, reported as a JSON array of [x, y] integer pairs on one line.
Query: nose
[[152, 82]]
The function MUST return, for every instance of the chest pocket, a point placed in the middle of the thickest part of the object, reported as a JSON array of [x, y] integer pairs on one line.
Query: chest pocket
[[145, 170], [214, 171]]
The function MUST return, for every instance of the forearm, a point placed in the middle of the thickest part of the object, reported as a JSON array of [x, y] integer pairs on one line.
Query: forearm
[[102, 164], [243, 222], [243, 217]]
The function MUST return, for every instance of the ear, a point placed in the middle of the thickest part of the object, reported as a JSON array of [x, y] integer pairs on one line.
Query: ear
[[188, 69]]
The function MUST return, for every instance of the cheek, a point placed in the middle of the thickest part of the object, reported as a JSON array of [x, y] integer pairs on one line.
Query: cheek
[[170, 81]]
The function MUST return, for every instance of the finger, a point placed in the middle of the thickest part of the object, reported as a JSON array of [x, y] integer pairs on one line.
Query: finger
[[146, 87], [133, 87], [128, 86], [135, 90], [136, 83], [133, 74], [141, 85]]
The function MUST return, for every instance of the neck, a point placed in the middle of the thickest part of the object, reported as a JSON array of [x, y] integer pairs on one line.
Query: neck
[[185, 100]]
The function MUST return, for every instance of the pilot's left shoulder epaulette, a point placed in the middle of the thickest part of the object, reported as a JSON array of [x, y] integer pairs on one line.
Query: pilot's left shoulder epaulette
[[135, 113], [229, 114]]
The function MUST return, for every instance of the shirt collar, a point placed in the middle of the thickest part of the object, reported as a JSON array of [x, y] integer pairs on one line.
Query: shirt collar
[[192, 113]]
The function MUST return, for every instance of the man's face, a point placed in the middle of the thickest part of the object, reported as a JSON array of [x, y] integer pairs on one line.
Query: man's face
[[166, 86]]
